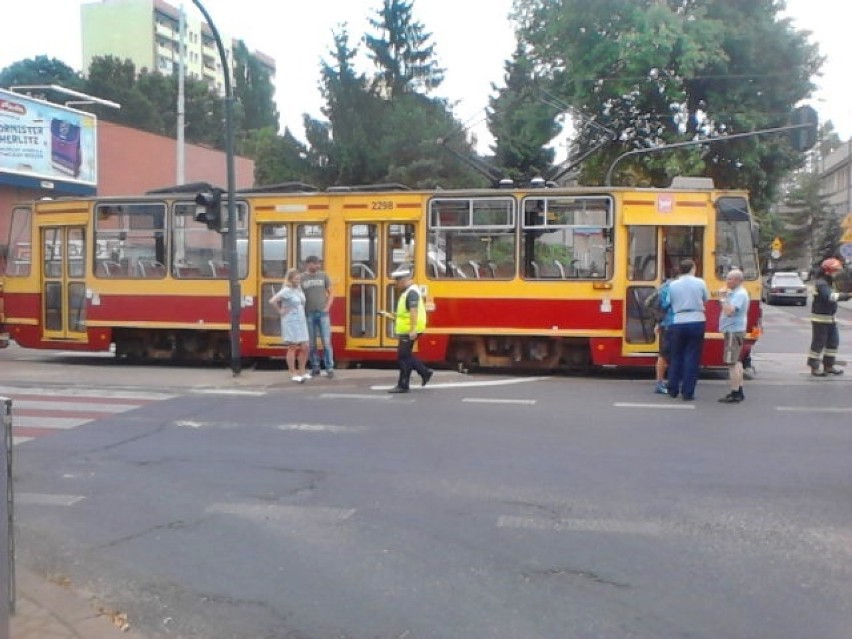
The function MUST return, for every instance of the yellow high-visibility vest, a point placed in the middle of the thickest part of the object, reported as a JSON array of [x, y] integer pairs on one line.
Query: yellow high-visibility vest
[[402, 326]]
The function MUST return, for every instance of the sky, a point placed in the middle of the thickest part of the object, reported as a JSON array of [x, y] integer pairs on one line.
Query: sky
[[473, 39]]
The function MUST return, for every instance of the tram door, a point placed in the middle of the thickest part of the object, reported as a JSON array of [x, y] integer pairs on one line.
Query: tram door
[[282, 246], [654, 254], [64, 256], [374, 251]]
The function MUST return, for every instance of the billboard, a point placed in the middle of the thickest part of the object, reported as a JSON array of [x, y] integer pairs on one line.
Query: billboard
[[46, 141]]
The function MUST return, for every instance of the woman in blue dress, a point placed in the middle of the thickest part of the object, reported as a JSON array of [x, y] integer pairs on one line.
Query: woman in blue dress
[[290, 302]]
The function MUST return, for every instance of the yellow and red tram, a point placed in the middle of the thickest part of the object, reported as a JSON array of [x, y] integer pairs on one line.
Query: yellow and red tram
[[544, 278]]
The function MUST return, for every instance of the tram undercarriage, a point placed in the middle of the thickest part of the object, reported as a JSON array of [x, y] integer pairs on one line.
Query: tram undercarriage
[[200, 346], [520, 352]]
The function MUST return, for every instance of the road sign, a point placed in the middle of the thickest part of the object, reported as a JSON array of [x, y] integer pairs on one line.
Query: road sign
[[846, 251]]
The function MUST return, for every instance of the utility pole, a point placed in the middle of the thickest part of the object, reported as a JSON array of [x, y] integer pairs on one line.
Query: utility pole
[[181, 99], [233, 258]]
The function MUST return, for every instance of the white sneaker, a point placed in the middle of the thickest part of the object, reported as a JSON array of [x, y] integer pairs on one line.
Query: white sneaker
[[329, 373], [306, 377], [298, 379]]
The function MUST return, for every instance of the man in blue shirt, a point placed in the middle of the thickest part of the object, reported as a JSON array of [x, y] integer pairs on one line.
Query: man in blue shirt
[[687, 295], [734, 300]]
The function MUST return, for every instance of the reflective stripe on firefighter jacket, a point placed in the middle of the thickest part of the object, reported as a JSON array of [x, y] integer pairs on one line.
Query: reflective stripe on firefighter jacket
[[403, 315]]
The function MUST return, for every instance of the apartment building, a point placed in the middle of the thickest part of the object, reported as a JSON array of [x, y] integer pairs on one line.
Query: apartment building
[[835, 179], [148, 33]]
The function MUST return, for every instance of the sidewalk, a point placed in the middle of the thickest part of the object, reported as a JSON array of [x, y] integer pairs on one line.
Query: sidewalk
[[47, 610]]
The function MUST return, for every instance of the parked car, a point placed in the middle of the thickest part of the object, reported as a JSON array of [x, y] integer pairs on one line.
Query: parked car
[[785, 287]]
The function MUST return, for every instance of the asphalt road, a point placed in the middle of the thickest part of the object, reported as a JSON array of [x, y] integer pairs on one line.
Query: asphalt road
[[478, 507]]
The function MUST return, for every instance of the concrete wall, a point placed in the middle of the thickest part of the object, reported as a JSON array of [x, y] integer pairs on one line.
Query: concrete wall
[[131, 162]]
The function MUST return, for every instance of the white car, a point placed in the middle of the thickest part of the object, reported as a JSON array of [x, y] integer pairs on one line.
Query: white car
[[785, 287]]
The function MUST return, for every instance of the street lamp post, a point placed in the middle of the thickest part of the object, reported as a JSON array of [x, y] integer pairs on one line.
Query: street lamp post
[[234, 275]]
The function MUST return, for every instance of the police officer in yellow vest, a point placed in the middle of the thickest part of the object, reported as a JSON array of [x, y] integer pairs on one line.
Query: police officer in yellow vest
[[409, 324]]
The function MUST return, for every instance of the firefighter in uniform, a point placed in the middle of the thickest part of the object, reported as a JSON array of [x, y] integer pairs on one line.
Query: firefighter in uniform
[[409, 324], [825, 338]]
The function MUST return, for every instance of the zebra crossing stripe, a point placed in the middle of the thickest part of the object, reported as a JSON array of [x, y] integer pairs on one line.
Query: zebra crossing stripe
[[37, 412]]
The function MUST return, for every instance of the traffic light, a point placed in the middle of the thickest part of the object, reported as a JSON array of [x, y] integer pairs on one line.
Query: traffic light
[[804, 137], [208, 209]]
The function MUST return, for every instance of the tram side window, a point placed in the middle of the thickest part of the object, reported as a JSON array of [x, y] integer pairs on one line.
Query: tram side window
[[202, 253], [273, 251], [681, 243], [19, 248], [734, 244], [471, 238], [310, 242], [567, 238], [642, 253], [130, 240]]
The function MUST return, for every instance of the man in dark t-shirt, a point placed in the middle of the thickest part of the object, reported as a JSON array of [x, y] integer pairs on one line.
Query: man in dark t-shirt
[[316, 285]]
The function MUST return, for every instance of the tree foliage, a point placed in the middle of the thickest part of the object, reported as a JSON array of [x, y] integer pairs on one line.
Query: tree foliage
[[381, 128], [115, 79], [522, 122], [40, 70], [661, 71], [402, 52], [254, 91]]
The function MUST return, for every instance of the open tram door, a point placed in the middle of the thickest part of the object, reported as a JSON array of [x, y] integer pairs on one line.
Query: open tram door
[[283, 245], [374, 251], [654, 255], [64, 257]]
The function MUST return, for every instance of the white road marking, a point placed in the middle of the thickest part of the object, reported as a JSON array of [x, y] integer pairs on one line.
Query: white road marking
[[581, 525], [188, 423], [355, 396], [70, 406], [43, 499], [61, 423], [814, 409], [104, 393], [319, 428], [227, 391], [670, 406], [21, 440], [490, 382], [487, 400], [277, 512]]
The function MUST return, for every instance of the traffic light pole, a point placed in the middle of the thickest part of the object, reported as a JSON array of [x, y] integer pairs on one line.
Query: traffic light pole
[[234, 272]]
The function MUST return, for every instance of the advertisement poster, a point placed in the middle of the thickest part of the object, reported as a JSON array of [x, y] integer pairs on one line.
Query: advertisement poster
[[47, 141]]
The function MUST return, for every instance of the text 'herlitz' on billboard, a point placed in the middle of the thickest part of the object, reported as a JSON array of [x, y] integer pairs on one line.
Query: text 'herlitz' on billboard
[[44, 140]]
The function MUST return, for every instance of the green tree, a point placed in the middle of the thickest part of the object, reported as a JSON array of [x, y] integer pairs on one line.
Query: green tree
[[254, 90], [410, 149], [278, 158], [115, 80], [521, 122], [661, 71], [41, 70], [345, 144], [804, 210], [401, 51]]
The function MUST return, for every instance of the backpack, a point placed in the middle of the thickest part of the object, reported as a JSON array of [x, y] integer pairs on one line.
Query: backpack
[[654, 309]]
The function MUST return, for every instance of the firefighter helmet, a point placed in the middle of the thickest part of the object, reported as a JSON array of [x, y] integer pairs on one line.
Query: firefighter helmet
[[831, 265]]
